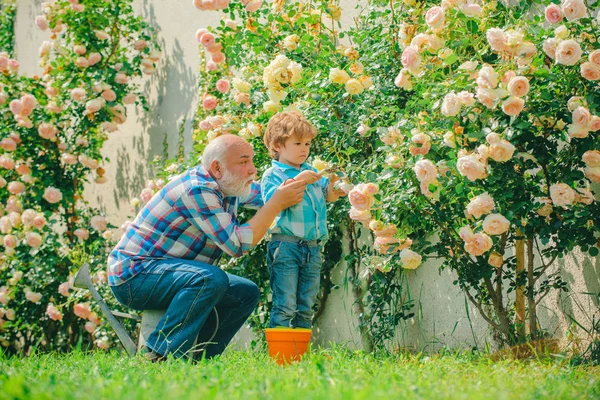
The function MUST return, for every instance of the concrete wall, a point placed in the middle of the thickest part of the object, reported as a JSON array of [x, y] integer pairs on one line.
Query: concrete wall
[[442, 318]]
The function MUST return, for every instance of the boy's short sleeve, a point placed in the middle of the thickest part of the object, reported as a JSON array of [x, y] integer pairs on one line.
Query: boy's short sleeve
[[269, 183]]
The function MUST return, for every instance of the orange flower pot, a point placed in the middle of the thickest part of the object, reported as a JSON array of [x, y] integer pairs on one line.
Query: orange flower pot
[[287, 344]]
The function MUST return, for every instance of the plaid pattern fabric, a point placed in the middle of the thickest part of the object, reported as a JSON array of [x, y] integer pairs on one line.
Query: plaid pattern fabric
[[187, 219], [306, 220]]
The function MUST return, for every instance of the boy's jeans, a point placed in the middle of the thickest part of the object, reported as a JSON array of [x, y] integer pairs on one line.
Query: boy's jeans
[[295, 270], [188, 291]]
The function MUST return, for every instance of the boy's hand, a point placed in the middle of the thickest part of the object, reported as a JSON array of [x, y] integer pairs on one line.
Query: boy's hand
[[333, 191], [308, 176]]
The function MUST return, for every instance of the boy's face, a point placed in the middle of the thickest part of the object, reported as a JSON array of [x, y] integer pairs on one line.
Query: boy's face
[[294, 151]]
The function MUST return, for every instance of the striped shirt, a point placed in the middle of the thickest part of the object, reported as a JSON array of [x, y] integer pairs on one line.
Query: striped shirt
[[306, 220], [190, 219]]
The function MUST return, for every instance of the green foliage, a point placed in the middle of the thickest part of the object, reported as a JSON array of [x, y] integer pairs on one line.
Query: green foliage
[[8, 14]]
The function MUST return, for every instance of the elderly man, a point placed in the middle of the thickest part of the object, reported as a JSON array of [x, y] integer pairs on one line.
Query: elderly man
[[165, 259]]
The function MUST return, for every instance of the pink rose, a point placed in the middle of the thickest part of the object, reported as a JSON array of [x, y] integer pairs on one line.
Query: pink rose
[[495, 224], [471, 9], [109, 95], [146, 195], [479, 205], [52, 195], [574, 9], [47, 131], [242, 98], [595, 57], [513, 106], [121, 78], [590, 71], [16, 187], [64, 288], [94, 318], [102, 344], [363, 216], [10, 314], [207, 39], [130, 98], [99, 223], [471, 167], [410, 58], [581, 116], [16, 106], [359, 199], [41, 22], [101, 35], [53, 107], [209, 102], [82, 310], [425, 171], [140, 44], [568, 52], [217, 57], [82, 234], [8, 144], [253, 5], [435, 18], [90, 327], [487, 97], [518, 86], [79, 49], [223, 85], [591, 158], [78, 94], [423, 143], [553, 14], [403, 80], [371, 188], [592, 173], [33, 296], [466, 98], [53, 313], [211, 66], [199, 33], [562, 195], [10, 241], [386, 244], [479, 244], [487, 77], [496, 260], [82, 62]]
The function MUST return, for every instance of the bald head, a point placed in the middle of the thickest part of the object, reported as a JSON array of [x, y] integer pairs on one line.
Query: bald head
[[220, 148]]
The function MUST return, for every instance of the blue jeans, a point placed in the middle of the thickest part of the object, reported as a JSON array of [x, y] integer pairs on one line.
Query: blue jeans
[[188, 291], [295, 270]]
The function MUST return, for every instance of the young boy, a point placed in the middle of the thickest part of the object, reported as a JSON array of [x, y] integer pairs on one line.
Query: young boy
[[294, 252]]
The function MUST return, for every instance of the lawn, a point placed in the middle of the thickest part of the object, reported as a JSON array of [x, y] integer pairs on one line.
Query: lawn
[[324, 374]]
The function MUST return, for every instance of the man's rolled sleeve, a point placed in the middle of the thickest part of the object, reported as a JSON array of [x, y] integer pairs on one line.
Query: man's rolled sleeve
[[206, 212]]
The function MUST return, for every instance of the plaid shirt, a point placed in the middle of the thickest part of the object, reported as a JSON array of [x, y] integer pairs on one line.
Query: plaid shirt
[[306, 220], [187, 219]]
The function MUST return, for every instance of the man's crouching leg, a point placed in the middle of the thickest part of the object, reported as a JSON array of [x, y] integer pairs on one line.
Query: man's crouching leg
[[230, 314]]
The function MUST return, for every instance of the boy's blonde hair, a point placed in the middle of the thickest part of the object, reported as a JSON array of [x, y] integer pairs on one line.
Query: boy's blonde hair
[[284, 125]]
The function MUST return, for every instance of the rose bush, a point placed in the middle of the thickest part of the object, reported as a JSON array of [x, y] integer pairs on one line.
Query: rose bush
[[53, 126]]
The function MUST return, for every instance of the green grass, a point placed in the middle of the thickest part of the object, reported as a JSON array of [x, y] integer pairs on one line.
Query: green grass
[[325, 374]]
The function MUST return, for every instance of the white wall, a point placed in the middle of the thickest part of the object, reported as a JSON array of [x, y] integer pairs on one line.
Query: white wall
[[442, 318]]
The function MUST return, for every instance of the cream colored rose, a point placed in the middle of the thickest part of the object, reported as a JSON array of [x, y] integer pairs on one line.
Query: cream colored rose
[[590, 71], [241, 85], [479, 244], [562, 195], [466, 98], [487, 97], [290, 43], [487, 77], [271, 106], [357, 68], [574, 9], [585, 196], [549, 46], [513, 106], [479, 205], [425, 171], [594, 57], [501, 151], [496, 37], [353, 86], [561, 32], [591, 158], [574, 102], [410, 259], [518, 86], [592, 173], [495, 224], [274, 95], [339, 76], [403, 80], [451, 105], [363, 216], [578, 131], [568, 52], [470, 167], [296, 70]]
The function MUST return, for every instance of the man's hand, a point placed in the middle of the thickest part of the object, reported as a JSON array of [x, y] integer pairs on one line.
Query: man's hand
[[289, 193], [333, 192], [308, 176]]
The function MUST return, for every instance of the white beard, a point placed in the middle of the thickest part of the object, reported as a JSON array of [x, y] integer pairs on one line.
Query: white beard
[[233, 186]]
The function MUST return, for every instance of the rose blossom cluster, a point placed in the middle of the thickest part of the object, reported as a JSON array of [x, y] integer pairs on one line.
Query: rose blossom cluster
[[361, 199], [511, 43], [211, 5], [152, 186], [508, 90], [8, 65], [22, 109], [214, 49], [355, 85], [583, 121], [591, 158], [386, 243], [281, 71]]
